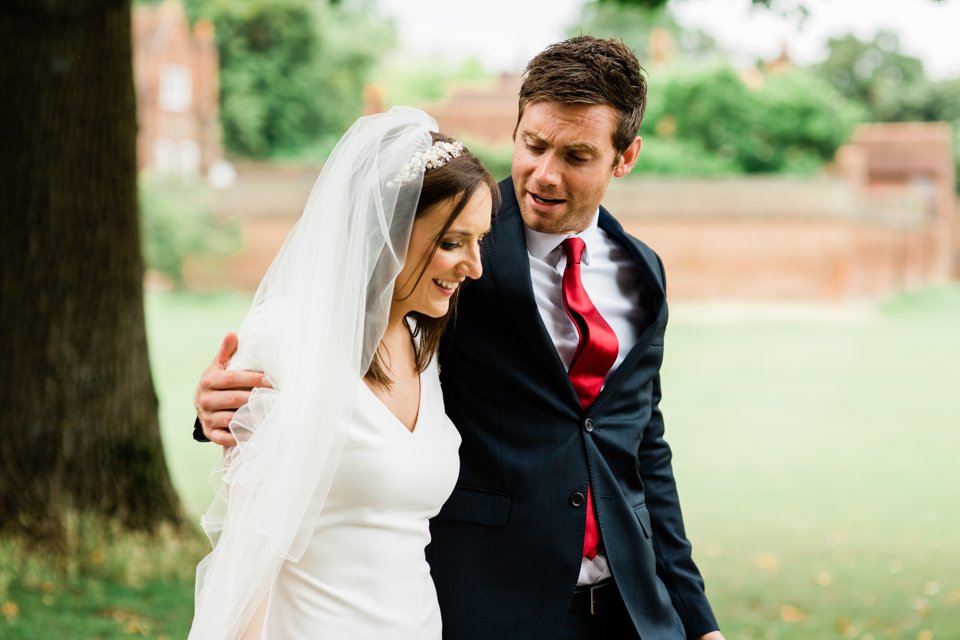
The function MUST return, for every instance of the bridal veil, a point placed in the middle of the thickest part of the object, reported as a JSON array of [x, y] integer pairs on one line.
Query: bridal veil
[[313, 328]]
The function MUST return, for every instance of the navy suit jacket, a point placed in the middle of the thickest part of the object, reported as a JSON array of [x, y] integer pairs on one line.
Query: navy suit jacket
[[506, 547]]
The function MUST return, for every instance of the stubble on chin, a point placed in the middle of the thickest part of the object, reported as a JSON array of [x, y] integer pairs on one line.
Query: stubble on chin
[[560, 224], [534, 221]]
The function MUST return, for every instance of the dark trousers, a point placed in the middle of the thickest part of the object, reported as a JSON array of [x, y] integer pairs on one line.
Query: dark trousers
[[612, 624]]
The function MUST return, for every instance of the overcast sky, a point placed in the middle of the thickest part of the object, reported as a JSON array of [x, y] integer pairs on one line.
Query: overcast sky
[[504, 34]]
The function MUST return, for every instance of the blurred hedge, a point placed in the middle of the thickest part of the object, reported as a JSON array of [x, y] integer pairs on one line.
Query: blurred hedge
[[178, 222]]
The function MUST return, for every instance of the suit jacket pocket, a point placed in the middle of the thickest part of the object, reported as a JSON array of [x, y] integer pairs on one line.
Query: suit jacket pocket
[[480, 506], [644, 517]]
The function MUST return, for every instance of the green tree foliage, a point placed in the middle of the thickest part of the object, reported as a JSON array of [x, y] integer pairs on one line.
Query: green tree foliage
[[641, 4], [292, 72], [804, 117], [657, 4], [923, 101], [891, 86], [415, 83], [869, 71], [703, 119], [635, 24], [793, 121], [674, 156]]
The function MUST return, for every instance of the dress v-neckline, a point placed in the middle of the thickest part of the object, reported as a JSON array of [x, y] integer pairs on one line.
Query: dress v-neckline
[[416, 421]]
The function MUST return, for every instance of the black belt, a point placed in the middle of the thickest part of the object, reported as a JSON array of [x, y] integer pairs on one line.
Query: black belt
[[595, 598]]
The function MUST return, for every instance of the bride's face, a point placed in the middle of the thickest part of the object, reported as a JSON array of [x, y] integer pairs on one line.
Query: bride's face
[[457, 255]]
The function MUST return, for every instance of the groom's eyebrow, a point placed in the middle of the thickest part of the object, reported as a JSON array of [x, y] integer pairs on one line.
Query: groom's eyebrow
[[532, 137], [576, 147], [581, 147]]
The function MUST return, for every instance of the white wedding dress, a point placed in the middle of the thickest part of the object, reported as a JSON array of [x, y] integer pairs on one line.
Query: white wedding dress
[[320, 514], [364, 574]]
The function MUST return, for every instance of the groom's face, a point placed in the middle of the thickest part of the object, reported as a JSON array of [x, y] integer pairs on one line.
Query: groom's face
[[563, 159]]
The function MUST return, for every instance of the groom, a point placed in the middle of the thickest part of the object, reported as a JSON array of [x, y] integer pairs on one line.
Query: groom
[[565, 521]]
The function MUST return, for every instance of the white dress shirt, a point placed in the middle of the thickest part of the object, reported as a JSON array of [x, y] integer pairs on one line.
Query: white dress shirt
[[610, 278]]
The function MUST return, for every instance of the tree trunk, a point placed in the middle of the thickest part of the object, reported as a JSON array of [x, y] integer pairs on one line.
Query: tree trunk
[[78, 412]]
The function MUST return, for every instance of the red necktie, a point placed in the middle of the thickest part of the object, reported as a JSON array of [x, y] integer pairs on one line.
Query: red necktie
[[595, 355]]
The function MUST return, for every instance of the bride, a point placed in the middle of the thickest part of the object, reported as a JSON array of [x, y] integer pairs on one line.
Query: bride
[[320, 522]]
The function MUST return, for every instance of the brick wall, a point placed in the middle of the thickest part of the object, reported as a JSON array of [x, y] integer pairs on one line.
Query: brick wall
[[860, 233], [775, 238]]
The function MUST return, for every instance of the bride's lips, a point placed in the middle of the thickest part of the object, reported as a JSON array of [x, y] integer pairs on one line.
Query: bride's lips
[[447, 287]]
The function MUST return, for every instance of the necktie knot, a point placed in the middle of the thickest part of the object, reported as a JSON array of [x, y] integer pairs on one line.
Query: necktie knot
[[574, 249]]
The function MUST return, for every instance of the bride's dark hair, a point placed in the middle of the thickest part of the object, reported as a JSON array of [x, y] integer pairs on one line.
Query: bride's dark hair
[[456, 180]]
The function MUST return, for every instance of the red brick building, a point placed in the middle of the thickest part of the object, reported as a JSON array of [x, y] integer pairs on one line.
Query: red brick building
[[486, 115], [176, 71]]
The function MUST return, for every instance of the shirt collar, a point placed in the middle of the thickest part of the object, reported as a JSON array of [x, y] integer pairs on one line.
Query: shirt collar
[[540, 245]]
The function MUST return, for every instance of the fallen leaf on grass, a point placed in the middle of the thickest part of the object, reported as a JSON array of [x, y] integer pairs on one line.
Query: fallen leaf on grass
[[138, 626], [836, 537], [926, 634], [9, 610], [789, 613], [921, 606], [767, 562], [846, 628]]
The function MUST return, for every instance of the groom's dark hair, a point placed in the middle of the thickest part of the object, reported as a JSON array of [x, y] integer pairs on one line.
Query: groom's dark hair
[[587, 70]]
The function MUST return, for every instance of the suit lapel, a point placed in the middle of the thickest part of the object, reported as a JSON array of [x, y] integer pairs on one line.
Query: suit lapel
[[649, 269], [508, 265]]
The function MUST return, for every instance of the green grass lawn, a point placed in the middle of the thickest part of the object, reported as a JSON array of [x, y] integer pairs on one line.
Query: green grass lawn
[[816, 455], [817, 462], [185, 331]]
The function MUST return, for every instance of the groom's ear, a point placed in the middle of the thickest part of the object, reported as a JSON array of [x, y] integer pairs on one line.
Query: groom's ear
[[628, 158]]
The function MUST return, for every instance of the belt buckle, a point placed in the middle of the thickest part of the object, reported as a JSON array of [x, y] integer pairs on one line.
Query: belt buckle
[[595, 588]]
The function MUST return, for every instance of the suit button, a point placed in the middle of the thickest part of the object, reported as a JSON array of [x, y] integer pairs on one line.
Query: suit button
[[576, 499], [588, 425]]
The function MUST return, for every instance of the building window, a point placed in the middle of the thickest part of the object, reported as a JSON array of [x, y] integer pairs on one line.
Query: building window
[[164, 155], [176, 88], [189, 152]]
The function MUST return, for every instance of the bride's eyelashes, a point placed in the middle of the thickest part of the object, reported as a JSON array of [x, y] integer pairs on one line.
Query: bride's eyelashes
[[451, 245]]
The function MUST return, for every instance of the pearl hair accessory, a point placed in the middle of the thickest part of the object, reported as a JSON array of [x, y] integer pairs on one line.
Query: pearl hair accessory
[[439, 154]]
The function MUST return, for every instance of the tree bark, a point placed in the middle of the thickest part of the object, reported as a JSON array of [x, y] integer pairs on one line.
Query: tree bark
[[78, 412]]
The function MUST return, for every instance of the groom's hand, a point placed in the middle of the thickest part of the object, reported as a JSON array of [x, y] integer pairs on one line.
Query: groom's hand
[[221, 392]]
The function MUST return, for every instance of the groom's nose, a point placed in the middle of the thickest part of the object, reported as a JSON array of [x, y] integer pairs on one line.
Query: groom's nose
[[547, 171]]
